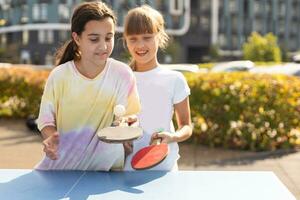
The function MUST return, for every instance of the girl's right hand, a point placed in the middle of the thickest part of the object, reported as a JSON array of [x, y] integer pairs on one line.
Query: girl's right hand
[[51, 146]]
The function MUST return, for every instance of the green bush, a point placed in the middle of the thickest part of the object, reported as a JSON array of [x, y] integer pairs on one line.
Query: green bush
[[245, 111], [20, 91], [232, 110], [262, 48]]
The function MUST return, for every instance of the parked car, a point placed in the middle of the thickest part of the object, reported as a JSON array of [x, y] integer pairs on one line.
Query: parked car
[[184, 67], [290, 69], [296, 58], [239, 65], [5, 65]]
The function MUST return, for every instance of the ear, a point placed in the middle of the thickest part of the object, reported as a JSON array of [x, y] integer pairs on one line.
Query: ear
[[76, 38]]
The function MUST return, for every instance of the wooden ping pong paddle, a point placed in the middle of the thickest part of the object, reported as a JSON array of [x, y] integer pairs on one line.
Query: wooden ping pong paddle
[[150, 156], [121, 133]]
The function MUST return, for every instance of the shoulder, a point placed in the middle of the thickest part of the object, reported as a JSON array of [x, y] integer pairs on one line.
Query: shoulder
[[174, 75], [118, 65], [61, 71], [120, 68]]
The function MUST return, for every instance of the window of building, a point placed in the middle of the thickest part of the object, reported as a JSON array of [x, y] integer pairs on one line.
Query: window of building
[[63, 35], [25, 37], [44, 11], [40, 12], [282, 9], [35, 12], [41, 36], [24, 13], [294, 28], [235, 42], [63, 12], [257, 7], [222, 40], [205, 5], [233, 6], [45, 36], [204, 22], [50, 36], [3, 39]]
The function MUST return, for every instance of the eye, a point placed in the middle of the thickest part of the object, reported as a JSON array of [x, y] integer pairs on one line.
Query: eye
[[94, 39], [133, 39], [147, 37], [107, 39]]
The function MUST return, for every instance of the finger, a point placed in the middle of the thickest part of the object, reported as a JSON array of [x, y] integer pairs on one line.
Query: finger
[[55, 138], [46, 144], [116, 123], [131, 119], [156, 135], [52, 155]]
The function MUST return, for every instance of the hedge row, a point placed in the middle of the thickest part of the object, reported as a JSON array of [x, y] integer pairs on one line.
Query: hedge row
[[20, 91], [246, 111], [232, 110]]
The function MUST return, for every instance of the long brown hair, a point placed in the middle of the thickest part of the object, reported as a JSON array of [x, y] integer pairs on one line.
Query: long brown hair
[[82, 14], [144, 19]]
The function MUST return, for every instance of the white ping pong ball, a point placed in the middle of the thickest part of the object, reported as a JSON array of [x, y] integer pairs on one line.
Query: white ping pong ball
[[119, 110]]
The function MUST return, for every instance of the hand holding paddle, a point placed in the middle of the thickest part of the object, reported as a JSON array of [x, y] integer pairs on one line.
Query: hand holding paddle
[[121, 133], [165, 137], [150, 156]]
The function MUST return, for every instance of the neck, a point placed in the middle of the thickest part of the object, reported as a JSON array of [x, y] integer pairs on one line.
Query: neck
[[89, 69], [143, 67]]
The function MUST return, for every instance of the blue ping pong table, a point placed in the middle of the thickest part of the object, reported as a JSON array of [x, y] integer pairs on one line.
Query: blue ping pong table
[[142, 185]]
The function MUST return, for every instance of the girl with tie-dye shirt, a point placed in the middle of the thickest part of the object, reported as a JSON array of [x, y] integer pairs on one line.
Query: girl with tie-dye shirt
[[80, 95]]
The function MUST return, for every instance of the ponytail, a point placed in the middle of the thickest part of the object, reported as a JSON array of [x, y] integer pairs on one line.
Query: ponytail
[[66, 53]]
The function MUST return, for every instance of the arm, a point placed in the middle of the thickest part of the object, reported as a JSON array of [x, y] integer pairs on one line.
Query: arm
[[50, 141], [46, 120], [183, 117]]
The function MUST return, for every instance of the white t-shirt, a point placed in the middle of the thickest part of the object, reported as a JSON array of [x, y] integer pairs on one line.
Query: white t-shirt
[[159, 89]]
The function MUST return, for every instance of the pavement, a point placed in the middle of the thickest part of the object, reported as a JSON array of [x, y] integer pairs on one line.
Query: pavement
[[22, 149]]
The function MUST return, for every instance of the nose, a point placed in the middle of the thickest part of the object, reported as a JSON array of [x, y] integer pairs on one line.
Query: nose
[[102, 46], [140, 43]]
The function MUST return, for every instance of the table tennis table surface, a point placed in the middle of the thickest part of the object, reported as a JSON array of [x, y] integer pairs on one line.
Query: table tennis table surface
[[143, 185]]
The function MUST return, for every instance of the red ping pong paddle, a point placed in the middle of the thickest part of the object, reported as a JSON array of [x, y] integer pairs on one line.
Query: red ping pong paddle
[[150, 156]]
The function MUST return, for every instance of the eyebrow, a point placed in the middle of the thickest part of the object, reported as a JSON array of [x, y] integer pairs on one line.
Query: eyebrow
[[96, 34]]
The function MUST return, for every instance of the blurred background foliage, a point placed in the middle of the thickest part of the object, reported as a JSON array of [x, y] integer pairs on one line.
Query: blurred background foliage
[[262, 48], [231, 110]]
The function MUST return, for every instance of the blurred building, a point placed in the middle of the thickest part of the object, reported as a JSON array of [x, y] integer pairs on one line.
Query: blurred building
[[238, 18], [31, 30]]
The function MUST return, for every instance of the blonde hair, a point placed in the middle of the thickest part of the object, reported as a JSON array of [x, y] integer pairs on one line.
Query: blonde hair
[[144, 19]]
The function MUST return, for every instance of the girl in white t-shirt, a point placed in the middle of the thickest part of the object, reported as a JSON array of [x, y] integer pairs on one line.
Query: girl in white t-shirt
[[161, 91]]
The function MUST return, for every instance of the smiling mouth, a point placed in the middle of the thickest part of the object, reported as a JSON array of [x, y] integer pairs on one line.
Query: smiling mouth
[[141, 53]]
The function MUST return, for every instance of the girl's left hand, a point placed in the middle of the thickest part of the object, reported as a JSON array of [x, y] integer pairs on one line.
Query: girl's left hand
[[131, 120], [166, 137]]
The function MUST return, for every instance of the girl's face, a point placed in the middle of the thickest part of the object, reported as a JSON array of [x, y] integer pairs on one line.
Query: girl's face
[[96, 42], [143, 48]]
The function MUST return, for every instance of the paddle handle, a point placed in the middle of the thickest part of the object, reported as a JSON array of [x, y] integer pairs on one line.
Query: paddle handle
[[156, 141], [123, 122]]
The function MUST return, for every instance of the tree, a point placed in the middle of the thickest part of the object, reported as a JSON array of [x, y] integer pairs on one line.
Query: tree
[[262, 48]]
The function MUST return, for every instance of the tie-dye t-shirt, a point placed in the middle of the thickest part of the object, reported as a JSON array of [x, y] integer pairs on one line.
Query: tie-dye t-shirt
[[78, 106]]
